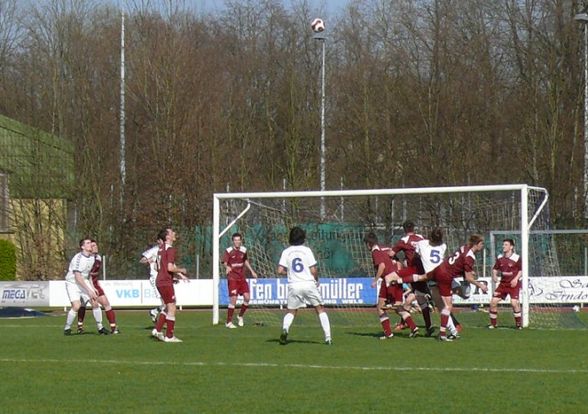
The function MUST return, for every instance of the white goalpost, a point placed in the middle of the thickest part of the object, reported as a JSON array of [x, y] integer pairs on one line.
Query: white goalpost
[[336, 221]]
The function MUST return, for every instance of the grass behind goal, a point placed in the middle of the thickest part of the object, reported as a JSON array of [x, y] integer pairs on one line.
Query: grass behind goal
[[245, 370]]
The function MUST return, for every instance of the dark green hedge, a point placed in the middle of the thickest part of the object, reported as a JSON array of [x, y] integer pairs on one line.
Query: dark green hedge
[[7, 260]]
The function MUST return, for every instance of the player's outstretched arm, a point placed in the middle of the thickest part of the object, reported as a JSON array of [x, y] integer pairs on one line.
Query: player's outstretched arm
[[469, 276], [182, 276]]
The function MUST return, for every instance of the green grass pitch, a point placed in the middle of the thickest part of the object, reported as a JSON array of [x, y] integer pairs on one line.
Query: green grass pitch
[[245, 370]]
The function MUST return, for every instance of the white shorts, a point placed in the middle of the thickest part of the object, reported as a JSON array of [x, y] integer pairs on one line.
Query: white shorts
[[76, 293], [301, 294]]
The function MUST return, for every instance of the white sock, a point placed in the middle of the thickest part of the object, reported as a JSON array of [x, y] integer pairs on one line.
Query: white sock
[[71, 315], [288, 319], [451, 326], [324, 318], [97, 312]]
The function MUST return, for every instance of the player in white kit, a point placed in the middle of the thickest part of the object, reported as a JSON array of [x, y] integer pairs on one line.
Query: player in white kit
[[149, 257], [78, 286], [298, 262]]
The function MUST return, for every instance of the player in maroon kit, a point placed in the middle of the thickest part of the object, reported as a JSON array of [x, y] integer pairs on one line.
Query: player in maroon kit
[[101, 296], [235, 260], [419, 290], [461, 263], [509, 266], [383, 264], [168, 274]]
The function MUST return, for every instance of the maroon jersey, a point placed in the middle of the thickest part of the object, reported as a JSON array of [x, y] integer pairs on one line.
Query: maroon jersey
[[165, 255], [235, 258], [407, 244], [459, 263], [508, 267], [380, 255], [95, 271]]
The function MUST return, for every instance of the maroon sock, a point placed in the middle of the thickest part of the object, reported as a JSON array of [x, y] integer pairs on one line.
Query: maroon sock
[[230, 312], [444, 320], [410, 323], [111, 317], [244, 308], [385, 321], [171, 322], [160, 321], [493, 317], [518, 319], [81, 315]]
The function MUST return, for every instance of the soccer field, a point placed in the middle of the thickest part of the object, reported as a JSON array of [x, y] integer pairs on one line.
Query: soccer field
[[245, 370]]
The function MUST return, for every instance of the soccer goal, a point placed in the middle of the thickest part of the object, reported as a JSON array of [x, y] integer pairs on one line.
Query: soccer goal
[[336, 222]]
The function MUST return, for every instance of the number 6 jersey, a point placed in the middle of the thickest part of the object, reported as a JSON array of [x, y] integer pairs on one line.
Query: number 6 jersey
[[298, 260]]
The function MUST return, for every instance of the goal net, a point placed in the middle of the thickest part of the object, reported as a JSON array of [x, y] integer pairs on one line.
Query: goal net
[[336, 222]]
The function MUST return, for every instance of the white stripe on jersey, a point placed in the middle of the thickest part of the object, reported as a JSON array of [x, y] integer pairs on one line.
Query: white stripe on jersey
[[514, 257], [298, 260], [80, 263], [242, 249], [431, 256]]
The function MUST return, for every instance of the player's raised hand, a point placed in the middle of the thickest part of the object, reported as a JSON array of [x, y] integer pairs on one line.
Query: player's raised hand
[[183, 277]]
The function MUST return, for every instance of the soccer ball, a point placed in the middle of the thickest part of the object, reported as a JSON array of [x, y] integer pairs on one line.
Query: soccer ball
[[317, 25], [576, 308]]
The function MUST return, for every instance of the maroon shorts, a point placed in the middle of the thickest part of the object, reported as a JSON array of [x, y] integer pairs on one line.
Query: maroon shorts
[[504, 290], [238, 286], [443, 280], [167, 293], [98, 288], [391, 294]]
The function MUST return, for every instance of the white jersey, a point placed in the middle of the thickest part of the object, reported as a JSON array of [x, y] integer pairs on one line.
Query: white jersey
[[431, 256], [80, 263], [298, 260], [151, 256]]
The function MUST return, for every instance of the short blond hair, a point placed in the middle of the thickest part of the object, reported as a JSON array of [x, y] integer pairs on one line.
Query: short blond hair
[[475, 239]]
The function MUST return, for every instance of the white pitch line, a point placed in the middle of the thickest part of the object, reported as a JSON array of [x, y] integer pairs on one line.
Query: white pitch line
[[301, 366]]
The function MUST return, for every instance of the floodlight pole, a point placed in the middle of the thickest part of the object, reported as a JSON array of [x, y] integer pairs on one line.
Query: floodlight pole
[[322, 38], [123, 169], [582, 17]]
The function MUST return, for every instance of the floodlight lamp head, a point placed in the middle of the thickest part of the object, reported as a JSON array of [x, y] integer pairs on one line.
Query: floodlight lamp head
[[582, 16]]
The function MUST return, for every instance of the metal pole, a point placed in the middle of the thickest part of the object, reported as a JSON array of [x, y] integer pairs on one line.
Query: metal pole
[[123, 170], [585, 261], [585, 24], [323, 149]]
